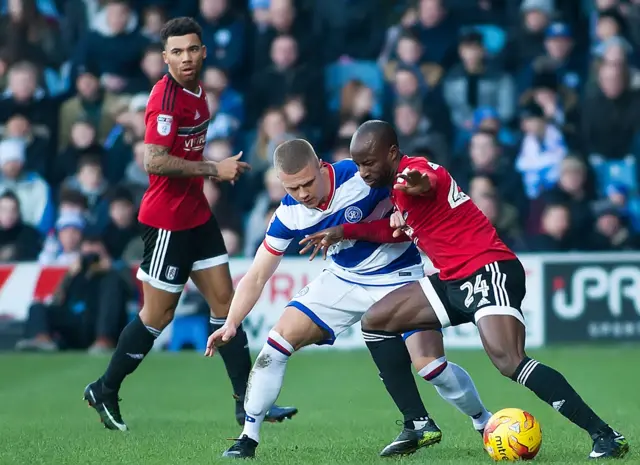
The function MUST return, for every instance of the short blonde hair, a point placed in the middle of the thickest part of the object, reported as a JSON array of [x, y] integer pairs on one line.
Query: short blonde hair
[[293, 156]]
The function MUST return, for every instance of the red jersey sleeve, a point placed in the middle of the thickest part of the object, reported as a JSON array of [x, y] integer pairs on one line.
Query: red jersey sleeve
[[161, 117], [379, 231]]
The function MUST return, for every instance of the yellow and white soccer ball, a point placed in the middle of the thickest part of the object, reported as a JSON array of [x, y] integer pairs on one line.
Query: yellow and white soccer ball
[[512, 434]]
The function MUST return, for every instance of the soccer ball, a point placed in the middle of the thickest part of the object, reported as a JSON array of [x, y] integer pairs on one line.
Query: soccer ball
[[512, 434]]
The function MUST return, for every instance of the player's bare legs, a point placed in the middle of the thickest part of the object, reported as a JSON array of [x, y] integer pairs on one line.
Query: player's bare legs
[[450, 380], [293, 331], [216, 286], [419, 430], [424, 347], [406, 309], [159, 307], [135, 342], [403, 310], [503, 337], [382, 325]]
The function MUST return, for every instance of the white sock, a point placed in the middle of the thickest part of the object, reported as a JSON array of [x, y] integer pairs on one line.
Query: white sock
[[265, 382], [455, 386]]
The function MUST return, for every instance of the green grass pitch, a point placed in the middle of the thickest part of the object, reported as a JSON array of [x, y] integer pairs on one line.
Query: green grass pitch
[[180, 410]]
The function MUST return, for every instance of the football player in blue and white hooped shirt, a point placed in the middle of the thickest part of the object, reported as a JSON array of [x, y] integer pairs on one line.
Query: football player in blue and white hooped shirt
[[321, 195]]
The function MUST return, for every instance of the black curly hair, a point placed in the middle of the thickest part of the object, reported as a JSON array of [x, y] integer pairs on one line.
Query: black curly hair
[[180, 27]]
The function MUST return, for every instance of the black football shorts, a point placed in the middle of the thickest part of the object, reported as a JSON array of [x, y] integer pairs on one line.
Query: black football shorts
[[495, 289], [170, 256]]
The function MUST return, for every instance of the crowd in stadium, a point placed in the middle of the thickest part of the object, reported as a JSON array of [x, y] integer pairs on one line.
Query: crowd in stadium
[[532, 105]]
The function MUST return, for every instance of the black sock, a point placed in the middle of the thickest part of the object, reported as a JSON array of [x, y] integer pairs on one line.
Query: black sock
[[135, 342], [236, 357], [555, 390], [390, 354]]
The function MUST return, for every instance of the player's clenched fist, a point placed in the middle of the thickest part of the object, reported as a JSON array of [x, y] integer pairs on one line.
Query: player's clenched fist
[[397, 223], [219, 338], [231, 168]]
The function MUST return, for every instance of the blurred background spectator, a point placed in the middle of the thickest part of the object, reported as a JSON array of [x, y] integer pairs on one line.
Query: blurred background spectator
[[18, 241], [88, 310], [533, 105]]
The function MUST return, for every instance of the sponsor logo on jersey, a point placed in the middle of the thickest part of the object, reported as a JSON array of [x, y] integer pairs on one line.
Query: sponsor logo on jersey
[[195, 143], [164, 124]]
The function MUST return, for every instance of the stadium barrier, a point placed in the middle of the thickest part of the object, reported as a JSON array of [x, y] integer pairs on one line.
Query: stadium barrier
[[570, 298]]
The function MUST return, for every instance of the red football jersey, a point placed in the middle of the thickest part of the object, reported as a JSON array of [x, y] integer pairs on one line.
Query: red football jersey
[[178, 119], [446, 225]]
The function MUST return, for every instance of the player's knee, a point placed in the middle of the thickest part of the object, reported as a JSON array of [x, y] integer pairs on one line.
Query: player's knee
[[506, 362], [292, 335], [157, 316], [225, 297], [279, 342], [298, 329], [421, 362], [221, 303], [375, 319]]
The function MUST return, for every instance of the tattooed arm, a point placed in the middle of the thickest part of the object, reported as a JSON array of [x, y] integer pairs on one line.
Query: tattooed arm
[[158, 161]]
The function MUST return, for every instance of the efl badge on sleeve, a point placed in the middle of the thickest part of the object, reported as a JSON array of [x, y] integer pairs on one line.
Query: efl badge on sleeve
[[164, 124]]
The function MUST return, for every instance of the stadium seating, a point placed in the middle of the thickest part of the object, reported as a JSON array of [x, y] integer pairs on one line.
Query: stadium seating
[[338, 74], [493, 37], [623, 172]]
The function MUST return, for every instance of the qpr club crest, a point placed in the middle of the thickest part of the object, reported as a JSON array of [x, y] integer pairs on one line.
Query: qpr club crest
[[353, 214], [164, 124]]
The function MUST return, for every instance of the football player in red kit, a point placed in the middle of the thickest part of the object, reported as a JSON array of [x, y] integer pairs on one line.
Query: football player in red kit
[[181, 237], [480, 279]]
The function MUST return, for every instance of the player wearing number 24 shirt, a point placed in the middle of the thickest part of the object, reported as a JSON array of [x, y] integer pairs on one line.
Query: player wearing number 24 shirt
[[361, 272], [446, 220], [480, 279]]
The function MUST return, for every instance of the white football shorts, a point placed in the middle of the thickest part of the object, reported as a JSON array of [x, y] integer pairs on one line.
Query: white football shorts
[[335, 305]]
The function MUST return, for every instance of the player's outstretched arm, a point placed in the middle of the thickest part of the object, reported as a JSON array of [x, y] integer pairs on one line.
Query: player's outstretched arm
[[158, 161], [252, 284], [246, 296], [414, 182], [379, 231]]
